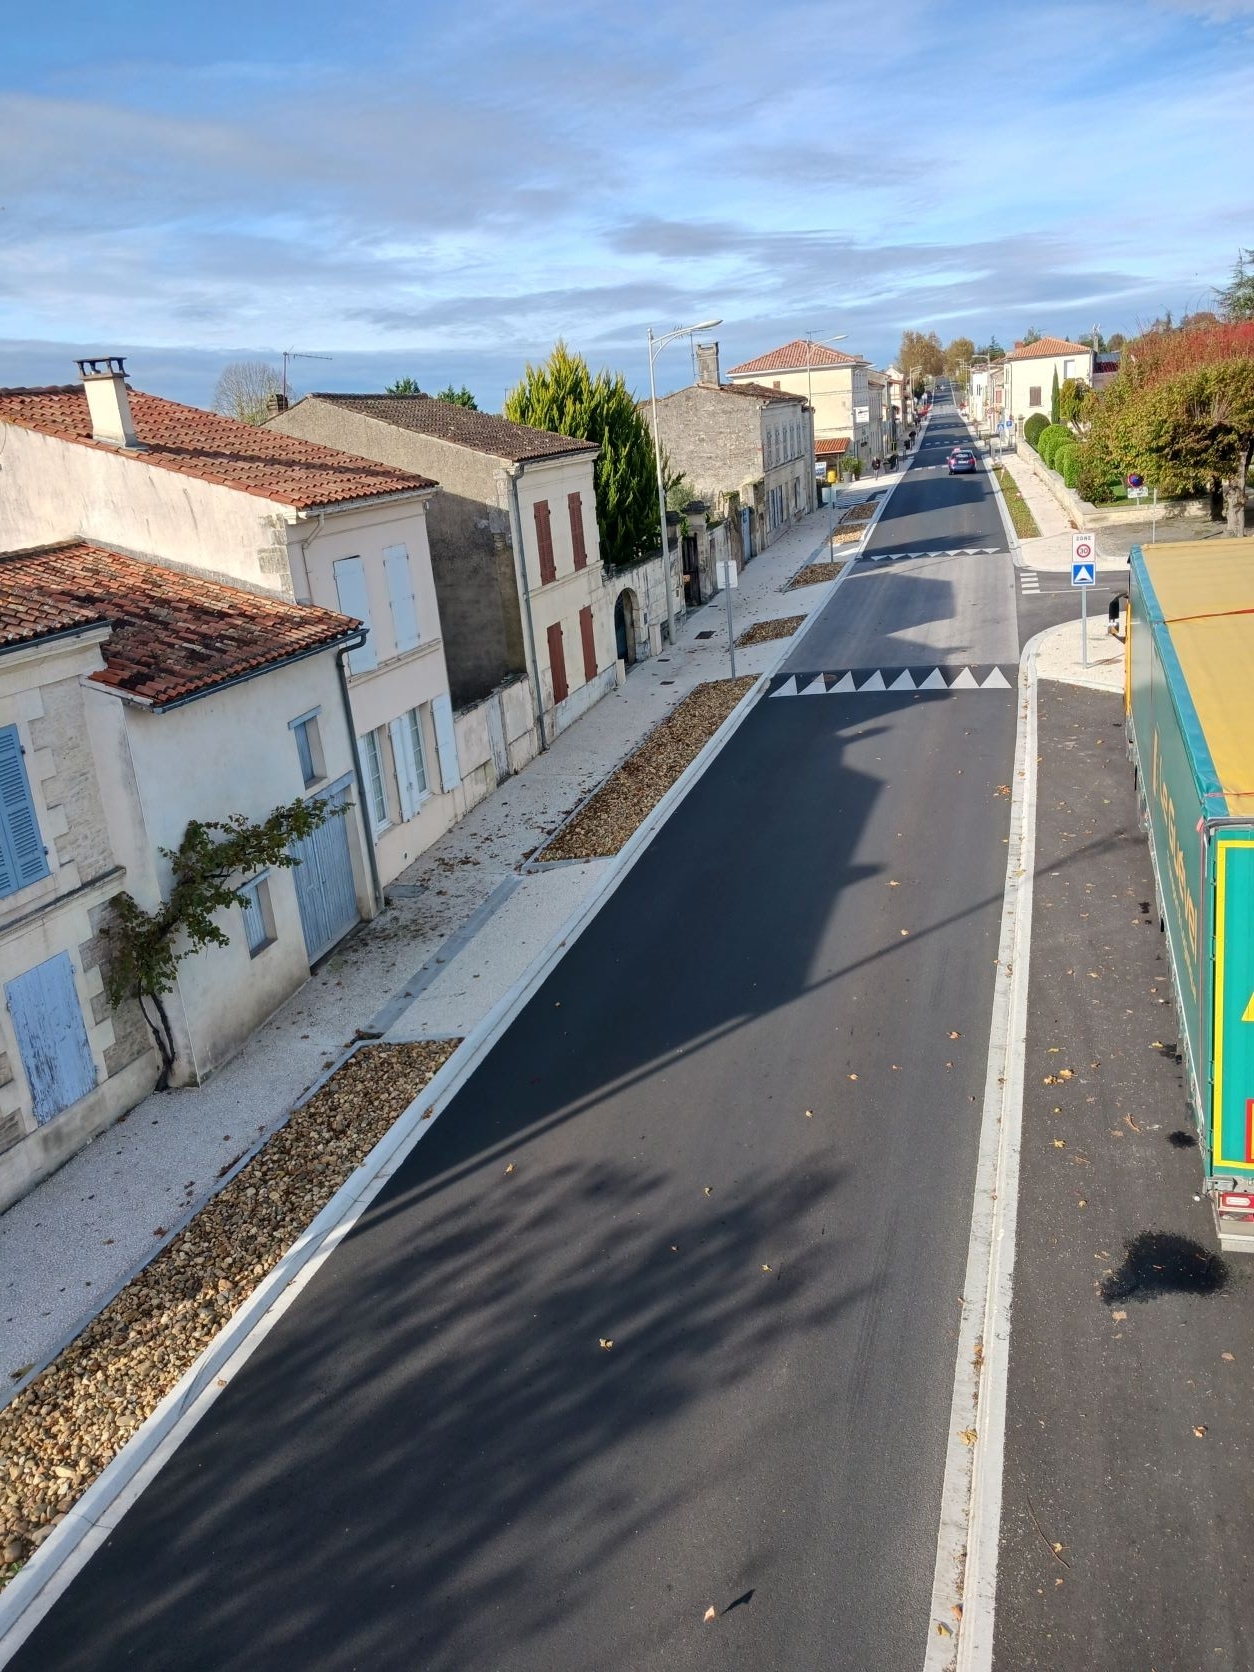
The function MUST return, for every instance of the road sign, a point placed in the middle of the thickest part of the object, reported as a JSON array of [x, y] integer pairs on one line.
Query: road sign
[[1084, 574], [1138, 493], [728, 575], [1083, 547], [1135, 479]]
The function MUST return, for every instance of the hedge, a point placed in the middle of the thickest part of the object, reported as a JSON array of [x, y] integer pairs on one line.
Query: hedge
[[1067, 464], [1032, 430], [1053, 437]]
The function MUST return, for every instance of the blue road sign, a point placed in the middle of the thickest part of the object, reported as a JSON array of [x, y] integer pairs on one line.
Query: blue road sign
[[1083, 574]]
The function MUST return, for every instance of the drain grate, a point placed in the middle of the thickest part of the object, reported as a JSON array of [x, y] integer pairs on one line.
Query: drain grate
[[706, 633]]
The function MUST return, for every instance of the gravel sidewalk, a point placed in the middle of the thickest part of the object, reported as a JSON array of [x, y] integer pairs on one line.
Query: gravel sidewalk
[[463, 924]]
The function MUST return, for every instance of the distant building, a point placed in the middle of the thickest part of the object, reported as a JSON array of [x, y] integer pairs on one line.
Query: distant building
[[1028, 375], [836, 385]]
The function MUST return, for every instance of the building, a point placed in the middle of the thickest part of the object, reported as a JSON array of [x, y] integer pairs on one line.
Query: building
[[115, 674], [1105, 369], [543, 612], [742, 446], [152, 477], [834, 384], [1028, 375]]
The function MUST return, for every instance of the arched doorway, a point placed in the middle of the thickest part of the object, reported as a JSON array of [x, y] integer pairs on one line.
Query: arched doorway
[[625, 626]]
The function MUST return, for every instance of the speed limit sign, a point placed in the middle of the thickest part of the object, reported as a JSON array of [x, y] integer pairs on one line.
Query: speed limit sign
[[1083, 547]]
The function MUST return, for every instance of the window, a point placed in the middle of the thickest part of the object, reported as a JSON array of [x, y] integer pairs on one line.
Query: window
[[22, 856], [588, 639], [411, 762], [544, 541], [574, 505], [401, 597], [557, 662], [305, 730], [446, 740], [1068, 369], [350, 589], [1034, 395], [254, 904], [376, 787], [51, 1038]]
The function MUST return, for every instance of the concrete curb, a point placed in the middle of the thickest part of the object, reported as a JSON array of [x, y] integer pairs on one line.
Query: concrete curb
[[45, 1577]]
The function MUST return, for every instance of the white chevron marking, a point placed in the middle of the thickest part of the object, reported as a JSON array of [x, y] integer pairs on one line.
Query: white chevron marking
[[996, 681], [816, 688], [845, 683], [787, 689], [903, 681], [935, 681], [966, 681], [875, 683]]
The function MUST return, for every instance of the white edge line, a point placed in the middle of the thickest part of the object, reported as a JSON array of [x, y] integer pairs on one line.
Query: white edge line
[[32, 1592], [965, 1576]]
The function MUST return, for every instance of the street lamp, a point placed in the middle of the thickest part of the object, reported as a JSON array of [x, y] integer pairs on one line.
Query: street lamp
[[810, 338], [656, 345]]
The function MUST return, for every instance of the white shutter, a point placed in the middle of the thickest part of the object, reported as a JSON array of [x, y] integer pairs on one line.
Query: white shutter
[[406, 777], [446, 740], [350, 589], [401, 597]]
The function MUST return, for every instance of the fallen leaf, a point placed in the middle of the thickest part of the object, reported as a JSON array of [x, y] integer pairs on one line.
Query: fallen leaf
[[659, 558], [852, 1076], [904, 931], [707, 1189], [674, 1245], [711, 1613], [1083, 1203], [953, 1032], [603, 1341], [1063, 1073], [1228, 1358], [1049, 1079], [1199, 1428], [809, 1112], [1057, 1548], [1059, 1143], [1155, 1044], [968, 1436], [1119, 1317], [895, 1066], [942, 1630], [510, 1168], [659, 548]]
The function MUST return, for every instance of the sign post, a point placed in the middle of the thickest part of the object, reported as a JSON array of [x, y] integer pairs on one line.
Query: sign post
[[729, 579], [1084, 575]]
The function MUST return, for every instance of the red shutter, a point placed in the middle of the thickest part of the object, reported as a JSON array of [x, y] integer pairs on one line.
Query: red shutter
[[557, 659], [589, 643], [544, 540], [574, 504]]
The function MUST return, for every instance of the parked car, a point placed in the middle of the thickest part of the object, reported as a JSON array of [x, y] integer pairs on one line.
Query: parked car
[[961, 462]]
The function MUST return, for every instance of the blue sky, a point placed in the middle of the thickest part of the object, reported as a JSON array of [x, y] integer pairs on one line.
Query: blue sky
[[442, 191]]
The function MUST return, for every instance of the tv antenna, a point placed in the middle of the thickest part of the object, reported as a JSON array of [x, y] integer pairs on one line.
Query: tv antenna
[[292, 354]]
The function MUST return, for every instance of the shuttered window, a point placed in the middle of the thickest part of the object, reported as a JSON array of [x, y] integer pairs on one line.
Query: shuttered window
[[51, 1039], [411, 763], [254, 905], [22, 856], [350, 589], [376, 787], [588, 638], [557, 662], [544, 541], [401, 597], [446, 740], [574, 504]]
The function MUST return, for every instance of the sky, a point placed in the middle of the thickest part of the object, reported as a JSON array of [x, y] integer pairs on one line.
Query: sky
[[441, 191]]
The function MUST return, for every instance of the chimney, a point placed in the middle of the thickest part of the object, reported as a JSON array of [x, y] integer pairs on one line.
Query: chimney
[[275, 403], [1018, 343], [104, 384], [707, 363]]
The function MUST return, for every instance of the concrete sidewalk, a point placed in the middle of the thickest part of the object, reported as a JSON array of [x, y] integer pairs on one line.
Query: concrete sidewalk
[[460, 927]]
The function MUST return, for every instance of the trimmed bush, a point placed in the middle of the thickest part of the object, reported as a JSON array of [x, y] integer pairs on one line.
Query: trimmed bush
[[1032, 430], [1057, 435], [1067, 463]]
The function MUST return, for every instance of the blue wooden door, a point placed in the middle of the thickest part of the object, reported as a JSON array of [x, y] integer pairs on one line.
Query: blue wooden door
[[325, 891], [51, 1038]]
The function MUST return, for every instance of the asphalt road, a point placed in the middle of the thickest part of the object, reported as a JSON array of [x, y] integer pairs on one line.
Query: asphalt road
[[742, 1118]]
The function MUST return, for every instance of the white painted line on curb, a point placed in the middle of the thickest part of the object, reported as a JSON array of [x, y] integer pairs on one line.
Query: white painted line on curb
[[964, 1584], [29, 1596]]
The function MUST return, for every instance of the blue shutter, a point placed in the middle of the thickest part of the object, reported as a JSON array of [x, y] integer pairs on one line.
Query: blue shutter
[[51, 1038], [401, 597], [350, 589], [22, 857]]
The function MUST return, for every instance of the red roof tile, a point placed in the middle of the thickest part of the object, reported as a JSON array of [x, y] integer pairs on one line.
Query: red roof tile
[[831, 447], [795, 357], [1047, 348], [485, 432], [175, 634], [283, 468], [758, 391]]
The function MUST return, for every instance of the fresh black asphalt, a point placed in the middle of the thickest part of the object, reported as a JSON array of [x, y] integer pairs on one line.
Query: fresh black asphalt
[[741, 1117]]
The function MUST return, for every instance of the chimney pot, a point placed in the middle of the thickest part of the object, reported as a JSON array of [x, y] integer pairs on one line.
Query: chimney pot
[[108, 402], [276, 403], [707, 364]]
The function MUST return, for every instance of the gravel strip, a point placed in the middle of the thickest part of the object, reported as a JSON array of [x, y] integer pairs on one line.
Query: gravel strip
[[630, 793], [813, 573], [762, 632], [59, 1433], [1024, 522], [858, 513]]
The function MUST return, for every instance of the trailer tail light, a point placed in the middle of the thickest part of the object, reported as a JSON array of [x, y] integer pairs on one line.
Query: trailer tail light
[[1236, 1201]]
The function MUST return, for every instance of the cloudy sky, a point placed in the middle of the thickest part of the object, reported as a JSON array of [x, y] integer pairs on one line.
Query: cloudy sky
[[443, 190]]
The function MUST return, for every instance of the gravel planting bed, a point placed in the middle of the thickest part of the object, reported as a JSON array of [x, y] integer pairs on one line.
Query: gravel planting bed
[[813, 573], [859, 513], [762, 632], [60, 1432], [630, 793]]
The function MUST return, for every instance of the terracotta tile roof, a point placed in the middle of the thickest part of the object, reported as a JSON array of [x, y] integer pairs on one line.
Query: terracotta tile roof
[[795, 357], [1048, 348], [175, 634], [254, 460], [757, 391], [485, 432], [831, 447]]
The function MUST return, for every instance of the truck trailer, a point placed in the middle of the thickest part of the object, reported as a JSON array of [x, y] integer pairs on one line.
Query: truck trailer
[[1190, 717]]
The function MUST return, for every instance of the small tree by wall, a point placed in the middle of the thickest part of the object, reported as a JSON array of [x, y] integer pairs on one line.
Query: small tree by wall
[[1053, 399]]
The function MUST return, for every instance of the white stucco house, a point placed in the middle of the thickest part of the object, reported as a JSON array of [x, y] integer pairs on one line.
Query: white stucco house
[[514, 542], [1028, 375], [837, 386], [152, 477], [136, 697]]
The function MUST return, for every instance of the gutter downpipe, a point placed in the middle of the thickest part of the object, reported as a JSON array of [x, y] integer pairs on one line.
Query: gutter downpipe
[[514, 471], [355, 643]]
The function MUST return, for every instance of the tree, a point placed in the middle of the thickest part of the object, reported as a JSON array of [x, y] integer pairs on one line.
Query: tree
[[403, 386], [923, 354], [458, 397], [244, 390], [1073, 398], [958, 357], [993, 349], [1031, 335], [1115, 342], [1236, 298], [1053, 398], [562, 396], [146, 947]]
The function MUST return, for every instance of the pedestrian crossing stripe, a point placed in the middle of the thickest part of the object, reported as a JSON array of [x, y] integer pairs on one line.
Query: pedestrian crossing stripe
[[957, 551], [860, 681]]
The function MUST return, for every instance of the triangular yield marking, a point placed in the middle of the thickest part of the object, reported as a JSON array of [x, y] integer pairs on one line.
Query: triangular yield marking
[[996, 681], [1247, 1015], [903, 681], [965, 681], [816, 687], [875, 683], [787, 689], [844, 683], [935, 681]]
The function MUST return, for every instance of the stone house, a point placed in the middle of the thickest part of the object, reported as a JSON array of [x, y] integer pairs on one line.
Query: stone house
[[151, 477], [835, 384], [1028, 375], [115, 674], [515, 546], [742, 446]]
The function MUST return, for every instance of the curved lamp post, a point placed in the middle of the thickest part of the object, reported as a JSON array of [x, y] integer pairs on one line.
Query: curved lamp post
[[656, 345]]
